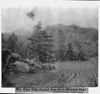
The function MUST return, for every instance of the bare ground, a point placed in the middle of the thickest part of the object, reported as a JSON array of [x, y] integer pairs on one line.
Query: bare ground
[[66, 74]]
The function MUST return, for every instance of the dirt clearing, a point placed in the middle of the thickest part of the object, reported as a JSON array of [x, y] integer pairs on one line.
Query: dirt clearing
[[66, 74]]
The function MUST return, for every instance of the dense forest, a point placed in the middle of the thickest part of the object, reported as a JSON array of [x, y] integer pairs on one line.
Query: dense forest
[[62, 41]]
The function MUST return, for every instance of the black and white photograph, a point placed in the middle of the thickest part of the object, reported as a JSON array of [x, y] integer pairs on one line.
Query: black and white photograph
[[49, 46]]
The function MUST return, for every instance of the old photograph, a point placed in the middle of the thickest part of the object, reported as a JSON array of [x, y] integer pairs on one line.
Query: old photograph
[[49, 46]]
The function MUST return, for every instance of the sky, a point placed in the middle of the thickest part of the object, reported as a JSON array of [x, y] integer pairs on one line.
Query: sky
[[14, 15]]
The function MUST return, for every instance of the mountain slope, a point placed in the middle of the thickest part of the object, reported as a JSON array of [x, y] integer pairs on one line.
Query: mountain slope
[[89, 33]]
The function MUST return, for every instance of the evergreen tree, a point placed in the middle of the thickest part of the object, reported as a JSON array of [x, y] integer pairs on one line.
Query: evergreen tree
[[81, 56], [70, 53], [61, 43], [25, 51], [21, 49], [40, 43], [12, 42], [3, 41], [28, 50]]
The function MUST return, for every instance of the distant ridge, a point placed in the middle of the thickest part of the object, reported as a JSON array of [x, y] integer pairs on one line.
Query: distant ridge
[[89, 33]]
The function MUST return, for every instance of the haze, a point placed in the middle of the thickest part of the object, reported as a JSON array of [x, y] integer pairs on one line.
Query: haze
[[13, 18]]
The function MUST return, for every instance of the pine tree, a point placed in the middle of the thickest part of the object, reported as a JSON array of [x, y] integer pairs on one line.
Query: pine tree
[[3, 41], [21, 49], [40, 43], [12, 42], [61, 43], [28, 50], [25, 50], [81, 55], [70, 53]]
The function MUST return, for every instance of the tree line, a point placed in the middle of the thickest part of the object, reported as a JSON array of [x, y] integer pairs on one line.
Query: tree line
[[72, 47]]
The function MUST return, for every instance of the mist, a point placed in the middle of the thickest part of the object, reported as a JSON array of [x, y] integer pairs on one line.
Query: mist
[[16, 18]]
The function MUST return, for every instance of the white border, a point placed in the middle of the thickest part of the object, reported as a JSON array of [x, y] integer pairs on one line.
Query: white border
[[14, 3]]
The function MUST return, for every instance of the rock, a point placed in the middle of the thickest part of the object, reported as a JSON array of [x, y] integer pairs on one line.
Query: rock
[[20, 66], [32, 61], [38, 66], [16, 56], [28, 61]]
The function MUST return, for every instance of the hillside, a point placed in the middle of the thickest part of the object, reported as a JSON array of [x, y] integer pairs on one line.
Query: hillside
[[22, 34], [89, 33]]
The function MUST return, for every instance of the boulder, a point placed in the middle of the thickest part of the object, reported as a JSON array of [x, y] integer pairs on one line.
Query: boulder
[[20, 66], [16, 56], [32, 61], [38, 66], [28, 61]]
